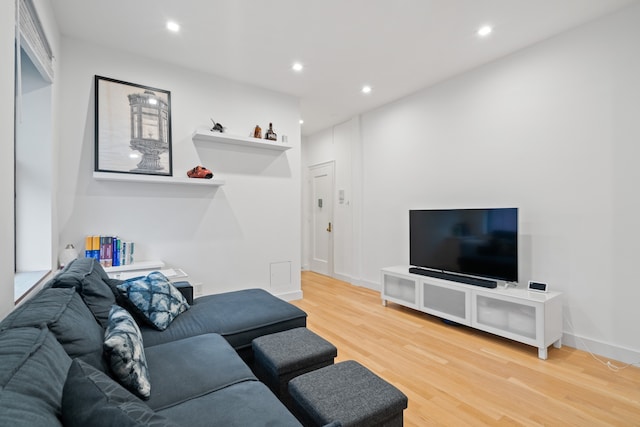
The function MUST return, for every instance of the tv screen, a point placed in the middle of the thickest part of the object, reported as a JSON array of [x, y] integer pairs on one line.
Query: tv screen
[[474, 242]]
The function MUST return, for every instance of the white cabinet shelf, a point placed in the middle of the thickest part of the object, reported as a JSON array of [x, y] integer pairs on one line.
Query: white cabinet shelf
[[202, 135], [140, 265], [156, 179], [532, 318], [142, 268]]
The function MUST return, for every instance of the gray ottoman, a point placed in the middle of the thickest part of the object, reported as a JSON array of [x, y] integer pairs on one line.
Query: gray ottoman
[[284, 355], [347, 393]]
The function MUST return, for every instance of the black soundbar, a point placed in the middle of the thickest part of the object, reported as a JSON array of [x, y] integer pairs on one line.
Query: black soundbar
[[485, 283]]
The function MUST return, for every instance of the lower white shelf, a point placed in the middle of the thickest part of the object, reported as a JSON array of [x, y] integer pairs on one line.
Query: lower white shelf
[[155, 179], [529, 317], [142, 268], [136, 266], [173, 274]]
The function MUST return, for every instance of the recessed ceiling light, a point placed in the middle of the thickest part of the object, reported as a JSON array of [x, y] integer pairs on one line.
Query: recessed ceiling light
[[485, 30], [366, 89], [301, 121], [172, 26], [297, 66]]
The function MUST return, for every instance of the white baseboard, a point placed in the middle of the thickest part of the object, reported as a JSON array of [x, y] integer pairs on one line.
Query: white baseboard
[[370, 285], [603, 351], [358, 282], [290, 296], [343, 277]]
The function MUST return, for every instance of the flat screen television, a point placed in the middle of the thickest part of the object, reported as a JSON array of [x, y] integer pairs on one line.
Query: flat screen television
[[473, 242]]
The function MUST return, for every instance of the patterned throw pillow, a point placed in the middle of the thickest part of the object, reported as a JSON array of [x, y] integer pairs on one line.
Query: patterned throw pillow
[[154, 298], [125, 352]]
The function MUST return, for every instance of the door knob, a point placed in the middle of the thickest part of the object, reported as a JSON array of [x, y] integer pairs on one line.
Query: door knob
[[329, 228]]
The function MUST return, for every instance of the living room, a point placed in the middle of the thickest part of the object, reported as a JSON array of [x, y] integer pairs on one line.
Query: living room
[[550, 129]]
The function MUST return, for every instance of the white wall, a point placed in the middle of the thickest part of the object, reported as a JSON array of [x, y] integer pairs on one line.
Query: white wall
[[340, 144], [550, 130], [7, 49], [316, 149], [225, 239]]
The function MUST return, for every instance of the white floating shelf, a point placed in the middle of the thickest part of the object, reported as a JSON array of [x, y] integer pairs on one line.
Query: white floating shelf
[[203, 135], [140, 265], [156, 179]]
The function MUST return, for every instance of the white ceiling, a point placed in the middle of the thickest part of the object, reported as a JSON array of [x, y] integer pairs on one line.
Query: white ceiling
[[396, 46]]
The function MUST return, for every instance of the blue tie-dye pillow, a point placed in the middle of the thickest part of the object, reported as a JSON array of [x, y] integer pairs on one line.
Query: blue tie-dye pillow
[[154, 298], [125, 352]]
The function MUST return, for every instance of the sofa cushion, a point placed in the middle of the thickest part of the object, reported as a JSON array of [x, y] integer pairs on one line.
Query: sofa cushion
[[238, 316], [67, 317], [191, 367], [91, 398], [125, 352], [246, 404], [154, 299], [32, 374], [91, 282]]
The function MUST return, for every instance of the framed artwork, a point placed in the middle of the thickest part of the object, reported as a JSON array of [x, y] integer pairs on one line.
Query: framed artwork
[[133, 128]]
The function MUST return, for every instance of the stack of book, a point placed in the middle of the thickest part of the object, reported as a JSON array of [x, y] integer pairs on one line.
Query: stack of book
[[110, 251]]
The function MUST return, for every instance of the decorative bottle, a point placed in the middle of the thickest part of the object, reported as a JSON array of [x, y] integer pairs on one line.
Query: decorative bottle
[[271, 135]]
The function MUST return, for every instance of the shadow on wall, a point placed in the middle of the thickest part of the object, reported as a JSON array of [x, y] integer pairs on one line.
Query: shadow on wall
[[244, 160]]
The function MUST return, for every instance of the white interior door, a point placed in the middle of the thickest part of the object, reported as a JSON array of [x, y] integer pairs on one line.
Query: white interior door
[[322, 218]]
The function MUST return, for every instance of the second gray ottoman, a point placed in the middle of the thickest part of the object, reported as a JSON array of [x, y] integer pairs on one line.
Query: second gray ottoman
[[347, 393], [282, 356]]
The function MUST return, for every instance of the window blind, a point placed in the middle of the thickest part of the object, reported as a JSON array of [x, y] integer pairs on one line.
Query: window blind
[[33, 39]]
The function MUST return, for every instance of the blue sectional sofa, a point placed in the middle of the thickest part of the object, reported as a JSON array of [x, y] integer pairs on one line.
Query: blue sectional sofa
[[53, 369]]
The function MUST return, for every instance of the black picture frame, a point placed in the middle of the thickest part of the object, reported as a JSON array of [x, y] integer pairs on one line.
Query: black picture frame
[[132, 128]]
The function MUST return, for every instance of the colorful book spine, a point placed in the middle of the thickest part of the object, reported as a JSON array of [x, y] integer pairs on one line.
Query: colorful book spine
[[108, 252], [103, 251], [88, 247], [95, 247], [116, 252], [130, 252], [123, 253]]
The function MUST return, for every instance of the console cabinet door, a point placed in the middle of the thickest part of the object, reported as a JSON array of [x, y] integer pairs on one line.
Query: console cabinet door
[[399, 289], [446, 301], [513, 318]]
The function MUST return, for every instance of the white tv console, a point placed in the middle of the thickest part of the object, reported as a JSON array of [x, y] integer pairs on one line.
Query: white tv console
[[533, 318]]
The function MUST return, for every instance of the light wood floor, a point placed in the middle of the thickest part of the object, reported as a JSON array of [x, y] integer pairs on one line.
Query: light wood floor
[[457, 376]]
